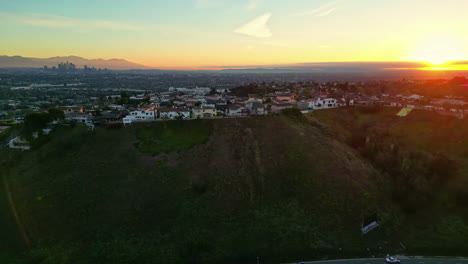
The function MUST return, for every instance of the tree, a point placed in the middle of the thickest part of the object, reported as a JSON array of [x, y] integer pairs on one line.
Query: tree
[[212, 91], [56, 114], [34, 122], [348, 101], [37, 120]]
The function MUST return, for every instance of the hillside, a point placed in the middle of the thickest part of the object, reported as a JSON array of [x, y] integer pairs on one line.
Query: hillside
[[425, 155], [26, 62], [216, 191]]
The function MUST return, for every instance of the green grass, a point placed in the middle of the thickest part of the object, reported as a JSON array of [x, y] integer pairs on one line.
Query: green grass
[[229, 191], [7, 122], [165, 137], [425, 229], [11, 239], [11, 243]]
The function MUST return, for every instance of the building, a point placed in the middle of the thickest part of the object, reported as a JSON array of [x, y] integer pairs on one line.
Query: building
[[79, 118], [235, 110], [71, 109], [286, 97], [324, 103], [203, 112], [174, 113], [256, 108], [108, 117], [141, 115], [278, 107]]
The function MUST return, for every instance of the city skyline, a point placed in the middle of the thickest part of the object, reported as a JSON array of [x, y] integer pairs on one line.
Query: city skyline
[[204, 34]]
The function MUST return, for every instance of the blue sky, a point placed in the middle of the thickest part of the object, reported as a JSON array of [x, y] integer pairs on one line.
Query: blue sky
[[195, 33]]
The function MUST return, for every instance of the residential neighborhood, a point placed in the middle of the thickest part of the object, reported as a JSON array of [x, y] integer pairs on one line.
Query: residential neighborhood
[[117, 107]]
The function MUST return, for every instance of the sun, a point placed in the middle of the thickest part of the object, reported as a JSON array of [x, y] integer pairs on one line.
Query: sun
[[438, 50]]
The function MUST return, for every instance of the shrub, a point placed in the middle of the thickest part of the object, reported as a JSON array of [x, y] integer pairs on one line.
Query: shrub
[[293, 113]]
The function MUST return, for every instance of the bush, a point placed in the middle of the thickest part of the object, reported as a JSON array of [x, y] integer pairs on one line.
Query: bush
[[293, 113]]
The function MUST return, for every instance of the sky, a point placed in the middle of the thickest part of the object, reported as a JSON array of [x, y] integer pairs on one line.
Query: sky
[[199, 34]]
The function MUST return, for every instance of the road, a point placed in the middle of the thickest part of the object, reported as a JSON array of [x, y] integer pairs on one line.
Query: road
[[404, 260]]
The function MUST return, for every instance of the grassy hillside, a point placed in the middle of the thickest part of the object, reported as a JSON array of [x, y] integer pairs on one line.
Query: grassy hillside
[[426, 157], [281, 188]]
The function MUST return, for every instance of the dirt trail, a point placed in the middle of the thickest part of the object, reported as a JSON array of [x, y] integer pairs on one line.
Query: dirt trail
[[11, 202]]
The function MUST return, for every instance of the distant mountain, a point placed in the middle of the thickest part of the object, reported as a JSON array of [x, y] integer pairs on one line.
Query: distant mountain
[[25, 62]]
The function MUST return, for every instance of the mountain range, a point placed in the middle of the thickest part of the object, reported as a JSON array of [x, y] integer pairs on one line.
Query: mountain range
[[26, 62]]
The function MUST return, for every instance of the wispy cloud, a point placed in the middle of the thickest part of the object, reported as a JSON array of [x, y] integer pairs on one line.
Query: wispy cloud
[[321, 11], [46, 20], [256, 28], [326, 13]]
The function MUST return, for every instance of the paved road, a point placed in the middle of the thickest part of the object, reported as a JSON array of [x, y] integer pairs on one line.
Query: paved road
[[404, 260]]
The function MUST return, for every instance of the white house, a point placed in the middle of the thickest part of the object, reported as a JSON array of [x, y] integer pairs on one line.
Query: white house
[[174, 113], [323, 103], [141, 115]]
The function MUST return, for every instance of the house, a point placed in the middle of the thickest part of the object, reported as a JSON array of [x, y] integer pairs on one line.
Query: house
[[79, 118], [277, 107], [221, 109], [71, 109], [141, 115], [237, 110], [286, 97], [323, 103], [203, 112], [310, 103], [108, 117], [174, 113], [256, 108]]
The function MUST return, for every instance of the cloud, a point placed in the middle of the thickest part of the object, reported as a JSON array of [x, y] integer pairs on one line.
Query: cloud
[[457, 63], [321, 11], [46, 20], [256, 28], [326, 13]]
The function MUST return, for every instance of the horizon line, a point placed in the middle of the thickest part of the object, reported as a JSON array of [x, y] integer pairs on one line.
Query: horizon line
[[278, 66]]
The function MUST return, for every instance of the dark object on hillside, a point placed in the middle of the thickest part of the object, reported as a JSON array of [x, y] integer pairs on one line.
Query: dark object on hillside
[[369, 224]]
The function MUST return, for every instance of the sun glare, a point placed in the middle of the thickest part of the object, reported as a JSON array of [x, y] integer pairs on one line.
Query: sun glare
[[438, 50]]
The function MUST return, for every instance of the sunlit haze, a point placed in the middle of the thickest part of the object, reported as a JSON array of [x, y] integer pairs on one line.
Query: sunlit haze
[[206, 34]]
